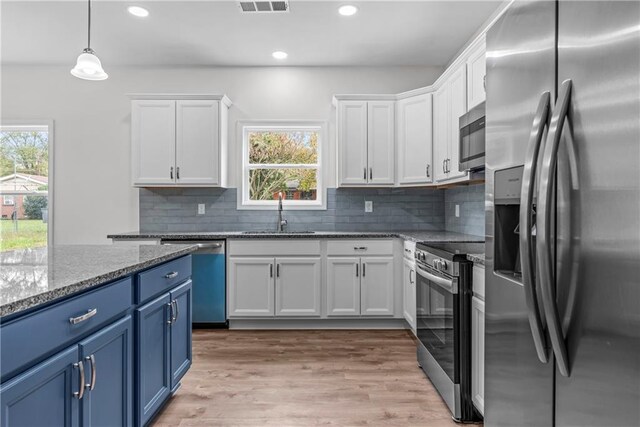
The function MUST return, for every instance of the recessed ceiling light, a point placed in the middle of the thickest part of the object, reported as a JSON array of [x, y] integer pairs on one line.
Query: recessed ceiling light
[[279, 54], [138, 11], [347, 10]]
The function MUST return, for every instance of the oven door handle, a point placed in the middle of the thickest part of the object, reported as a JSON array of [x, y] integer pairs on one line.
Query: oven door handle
[[451, 285]]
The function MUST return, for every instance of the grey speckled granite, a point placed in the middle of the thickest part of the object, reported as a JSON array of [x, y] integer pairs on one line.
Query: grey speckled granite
[[476, 258], [31, 277], [416, 236]]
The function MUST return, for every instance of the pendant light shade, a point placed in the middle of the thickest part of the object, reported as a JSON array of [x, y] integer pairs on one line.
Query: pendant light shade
[[88, 66]]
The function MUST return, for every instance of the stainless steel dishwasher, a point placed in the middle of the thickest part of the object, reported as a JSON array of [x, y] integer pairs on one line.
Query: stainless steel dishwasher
[[209, 282]]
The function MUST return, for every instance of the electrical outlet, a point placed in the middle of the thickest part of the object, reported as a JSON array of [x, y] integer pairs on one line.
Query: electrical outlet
[[368, 206], [457, 211], [201, 209]]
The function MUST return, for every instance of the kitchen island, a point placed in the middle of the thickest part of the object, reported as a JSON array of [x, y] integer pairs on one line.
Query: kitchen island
[[97, 319]]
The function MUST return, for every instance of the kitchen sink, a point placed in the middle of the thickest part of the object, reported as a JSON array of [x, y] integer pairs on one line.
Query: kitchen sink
[[278, 232]]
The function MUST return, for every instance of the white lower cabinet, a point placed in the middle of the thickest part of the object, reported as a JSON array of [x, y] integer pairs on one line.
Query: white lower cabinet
[[477, 353], [297, 289], [283, 286], [376, 286], [343, 286], [360, 286], [251, 287], [409, 293]]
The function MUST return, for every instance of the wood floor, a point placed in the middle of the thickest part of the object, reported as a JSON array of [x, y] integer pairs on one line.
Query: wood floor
[[305, 378]]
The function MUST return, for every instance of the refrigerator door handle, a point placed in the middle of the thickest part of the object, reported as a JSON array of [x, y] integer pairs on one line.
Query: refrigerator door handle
[[545, 261], [526, 225]]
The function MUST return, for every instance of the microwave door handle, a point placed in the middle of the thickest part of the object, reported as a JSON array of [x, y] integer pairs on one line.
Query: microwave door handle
[[540, 121], [545, 262], [451, 285]]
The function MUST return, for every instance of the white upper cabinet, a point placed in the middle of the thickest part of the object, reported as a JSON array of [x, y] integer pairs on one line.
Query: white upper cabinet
[[179, 142], [352, 137], [414, 130], [450, 102], [366, 142], [153, 141], [380, 142], [441, 132], [197, 147], [458, 107], [476, 74]]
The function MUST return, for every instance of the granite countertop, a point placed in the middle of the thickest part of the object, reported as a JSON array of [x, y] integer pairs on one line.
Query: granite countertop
[[416, 236], [31, 277]]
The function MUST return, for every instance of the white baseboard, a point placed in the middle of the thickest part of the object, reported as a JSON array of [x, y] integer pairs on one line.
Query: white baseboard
[[317, 324]]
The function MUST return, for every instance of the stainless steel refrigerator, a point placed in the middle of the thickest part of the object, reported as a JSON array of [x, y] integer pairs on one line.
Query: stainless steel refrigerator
[[563, 215]]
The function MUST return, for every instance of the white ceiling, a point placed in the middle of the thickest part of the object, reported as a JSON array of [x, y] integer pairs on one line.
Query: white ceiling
[[205, 33]]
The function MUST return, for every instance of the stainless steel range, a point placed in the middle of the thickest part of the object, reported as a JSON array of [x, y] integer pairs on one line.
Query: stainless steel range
[[443, 312]]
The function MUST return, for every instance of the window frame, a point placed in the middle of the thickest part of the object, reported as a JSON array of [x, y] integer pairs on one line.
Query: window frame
[[6, 198], [42, 125], [245, 127]]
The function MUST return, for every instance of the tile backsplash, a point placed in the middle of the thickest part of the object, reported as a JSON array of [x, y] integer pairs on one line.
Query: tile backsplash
[[175, 209], [470, 200]]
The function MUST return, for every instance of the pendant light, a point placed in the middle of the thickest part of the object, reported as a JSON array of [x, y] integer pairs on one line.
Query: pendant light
[[88, 66]]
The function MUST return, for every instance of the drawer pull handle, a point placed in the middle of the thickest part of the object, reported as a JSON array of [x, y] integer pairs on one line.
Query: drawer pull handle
[[171, 275], [359, 248], [78, 394], [94, 371], [88, 315]]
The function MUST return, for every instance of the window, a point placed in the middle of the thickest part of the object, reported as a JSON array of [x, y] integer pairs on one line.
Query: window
[[26, 154], [282, 158]]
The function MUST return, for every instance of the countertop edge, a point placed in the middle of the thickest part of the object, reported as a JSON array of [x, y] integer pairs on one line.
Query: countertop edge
[[293, 235], [52, 296]]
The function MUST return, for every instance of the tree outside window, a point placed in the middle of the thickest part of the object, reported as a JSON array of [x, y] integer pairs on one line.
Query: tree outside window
[[282, 160]]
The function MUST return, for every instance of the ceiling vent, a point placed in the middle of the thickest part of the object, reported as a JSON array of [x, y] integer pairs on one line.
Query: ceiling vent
[[264, 6]]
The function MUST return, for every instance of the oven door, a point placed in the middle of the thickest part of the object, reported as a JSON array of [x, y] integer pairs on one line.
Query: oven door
[[437, 317]]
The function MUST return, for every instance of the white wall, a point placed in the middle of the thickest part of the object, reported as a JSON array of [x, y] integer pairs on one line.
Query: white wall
[[93, 194]]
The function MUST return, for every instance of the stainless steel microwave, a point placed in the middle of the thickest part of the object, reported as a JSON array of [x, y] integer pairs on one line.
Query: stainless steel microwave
[[472, 139]]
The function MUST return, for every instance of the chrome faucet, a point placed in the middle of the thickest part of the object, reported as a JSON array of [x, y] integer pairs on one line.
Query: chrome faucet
[[282, 223]]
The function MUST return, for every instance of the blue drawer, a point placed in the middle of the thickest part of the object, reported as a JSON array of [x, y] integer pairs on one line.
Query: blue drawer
[[31, 338], [160, 279]]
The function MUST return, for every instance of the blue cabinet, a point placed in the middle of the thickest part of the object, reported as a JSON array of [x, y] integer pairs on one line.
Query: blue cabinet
[[86, 361], [164, 348], [153, 356], [108, 358], [44, 395], [181, 333]]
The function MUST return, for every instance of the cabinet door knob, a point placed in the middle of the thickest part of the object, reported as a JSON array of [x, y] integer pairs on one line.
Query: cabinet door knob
[[370, 173], [178, 172], [365, 173], [171, 172], [428, 171], [171, 275]]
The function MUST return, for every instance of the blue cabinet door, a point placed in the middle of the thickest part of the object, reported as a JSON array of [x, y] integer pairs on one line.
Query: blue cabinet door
[[107, 357], [180, 333], [43, 395], [153, 381]]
